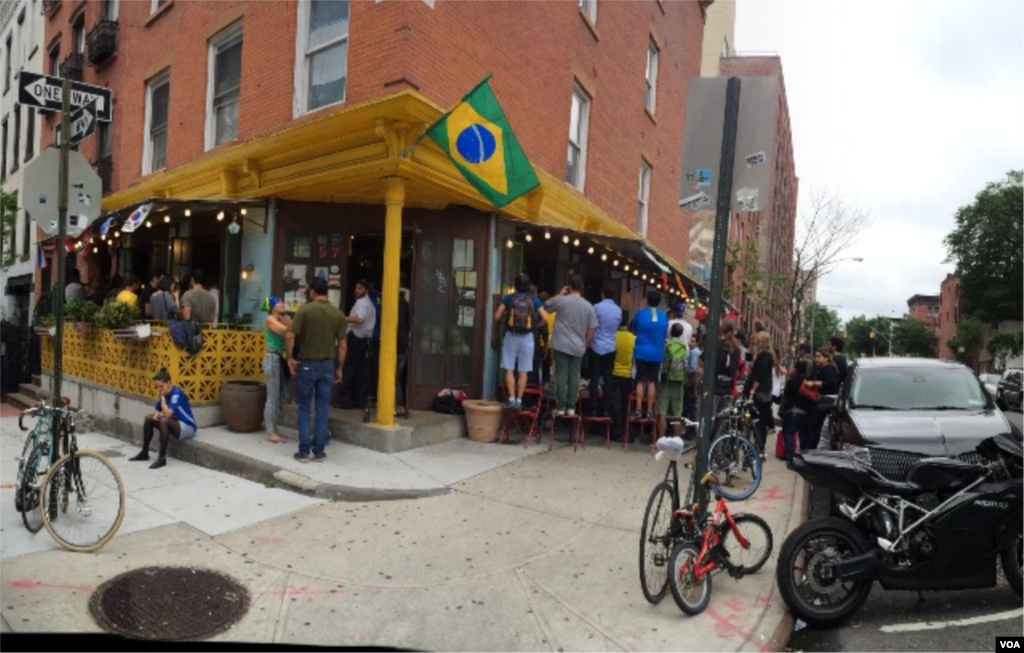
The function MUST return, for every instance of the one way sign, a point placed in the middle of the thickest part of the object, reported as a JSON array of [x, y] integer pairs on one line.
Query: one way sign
[[44, 92], [83, 124]]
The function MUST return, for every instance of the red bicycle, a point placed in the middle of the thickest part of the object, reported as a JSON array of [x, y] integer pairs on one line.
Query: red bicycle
[[738, 544]]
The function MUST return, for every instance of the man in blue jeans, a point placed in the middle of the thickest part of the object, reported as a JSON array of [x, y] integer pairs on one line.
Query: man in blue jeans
[[321, 326]]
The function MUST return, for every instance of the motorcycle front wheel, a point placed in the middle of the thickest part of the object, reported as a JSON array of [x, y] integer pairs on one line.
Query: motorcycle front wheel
[[1012, 557], [805, 572]]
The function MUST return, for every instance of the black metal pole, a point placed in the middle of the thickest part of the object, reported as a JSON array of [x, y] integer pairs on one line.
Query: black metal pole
[[62, 215], [713, 344]]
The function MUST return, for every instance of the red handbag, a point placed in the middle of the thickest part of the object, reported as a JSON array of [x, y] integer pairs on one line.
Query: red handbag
[[807, 391]]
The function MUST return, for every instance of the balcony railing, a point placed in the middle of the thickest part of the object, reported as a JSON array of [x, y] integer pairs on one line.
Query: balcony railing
[[101, 43], [104, 167], [72, 65], [50, 7]]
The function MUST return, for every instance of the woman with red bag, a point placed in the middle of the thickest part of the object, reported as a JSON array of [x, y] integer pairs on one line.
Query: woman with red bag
[[826, 382], [795, 410]]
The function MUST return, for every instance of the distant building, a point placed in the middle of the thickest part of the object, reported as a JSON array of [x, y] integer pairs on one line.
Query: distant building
[[719, 37], [950, 307], [926, 309]]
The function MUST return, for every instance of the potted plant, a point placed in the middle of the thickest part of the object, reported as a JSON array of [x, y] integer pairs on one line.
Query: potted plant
[[46, 325], [118, 317], [81, 313]]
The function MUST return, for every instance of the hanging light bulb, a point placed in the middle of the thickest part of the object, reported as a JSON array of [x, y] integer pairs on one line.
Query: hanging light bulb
[[95, 250], [604, 257], [243, 211], [529, 238], [220, 216], [148, 224], [547, 235], [645, 277], [188, 213], [626, 267], [117, 234], [509, 243], [576, 242], [565, 239], [615, 262], [167, 218], [590, 250]]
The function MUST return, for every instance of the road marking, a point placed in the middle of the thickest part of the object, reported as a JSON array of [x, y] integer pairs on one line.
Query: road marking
[[937, 625]]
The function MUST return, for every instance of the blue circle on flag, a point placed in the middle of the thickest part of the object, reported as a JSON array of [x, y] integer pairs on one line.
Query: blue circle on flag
[[475, 143]]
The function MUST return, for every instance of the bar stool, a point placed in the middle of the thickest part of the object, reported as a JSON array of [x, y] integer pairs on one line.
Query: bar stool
[[590, 419], [652, 421]]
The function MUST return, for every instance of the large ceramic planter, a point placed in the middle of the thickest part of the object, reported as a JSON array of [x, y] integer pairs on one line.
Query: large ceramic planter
[[483, 419], [241, 404]]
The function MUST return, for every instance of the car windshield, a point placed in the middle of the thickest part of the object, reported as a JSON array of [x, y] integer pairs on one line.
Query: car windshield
[[917, 388]]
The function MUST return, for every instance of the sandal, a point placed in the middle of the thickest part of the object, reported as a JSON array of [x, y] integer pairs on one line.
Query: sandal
[[276, 438]]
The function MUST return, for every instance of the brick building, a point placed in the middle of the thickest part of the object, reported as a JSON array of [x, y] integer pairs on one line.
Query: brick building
[[950, 308], [272, 142], [926, 309]]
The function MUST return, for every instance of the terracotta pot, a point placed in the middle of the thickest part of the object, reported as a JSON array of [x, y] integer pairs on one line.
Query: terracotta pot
[[241, 403], [483, 419]]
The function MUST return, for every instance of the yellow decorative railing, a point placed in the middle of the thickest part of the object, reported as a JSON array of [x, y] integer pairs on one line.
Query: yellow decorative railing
[[128, 364]]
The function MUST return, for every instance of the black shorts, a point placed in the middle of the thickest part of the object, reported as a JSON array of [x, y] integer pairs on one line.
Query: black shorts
[[647, 371]]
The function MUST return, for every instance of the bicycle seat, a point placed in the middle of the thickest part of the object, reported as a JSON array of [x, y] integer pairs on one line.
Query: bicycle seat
[[44, 395]]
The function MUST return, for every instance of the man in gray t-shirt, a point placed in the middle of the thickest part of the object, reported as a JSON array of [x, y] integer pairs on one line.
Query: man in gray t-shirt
[[575, 325], [198, 303]]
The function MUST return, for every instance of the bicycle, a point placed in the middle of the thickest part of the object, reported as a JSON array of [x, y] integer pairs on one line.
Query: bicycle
[[660, 531], [693, 562], [33, 464], [82, 496], [733, 451]]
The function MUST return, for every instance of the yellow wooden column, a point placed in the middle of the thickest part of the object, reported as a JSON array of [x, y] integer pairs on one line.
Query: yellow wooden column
[[394, 200]]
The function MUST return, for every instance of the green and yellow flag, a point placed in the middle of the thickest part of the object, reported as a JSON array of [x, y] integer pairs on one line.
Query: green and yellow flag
[[478, 139]]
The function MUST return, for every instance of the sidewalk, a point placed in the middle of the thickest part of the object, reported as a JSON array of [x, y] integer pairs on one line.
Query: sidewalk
[[512, 549]]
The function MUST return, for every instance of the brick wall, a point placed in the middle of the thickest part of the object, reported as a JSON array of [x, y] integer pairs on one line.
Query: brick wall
[[535, 50], [949, 312]]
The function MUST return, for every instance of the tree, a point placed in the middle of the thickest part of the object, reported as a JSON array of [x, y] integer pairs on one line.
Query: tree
[[826, 323], [823, 236], [1004, 345], [8, 224], [868, 336], [987, 247], [966, 345], [757, 282], [912, 337]]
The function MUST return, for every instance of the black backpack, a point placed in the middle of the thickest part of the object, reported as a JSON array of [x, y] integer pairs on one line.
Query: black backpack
[[522, 318]]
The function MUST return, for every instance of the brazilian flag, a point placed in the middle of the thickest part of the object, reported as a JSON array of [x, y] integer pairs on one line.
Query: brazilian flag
[[478, 139]]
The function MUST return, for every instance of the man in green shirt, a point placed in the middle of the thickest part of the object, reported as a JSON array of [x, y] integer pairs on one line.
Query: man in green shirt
[[321, 327]]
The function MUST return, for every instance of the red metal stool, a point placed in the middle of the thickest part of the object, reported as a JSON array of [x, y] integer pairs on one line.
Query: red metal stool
[[590, 419], [526, 418], [631, 407]]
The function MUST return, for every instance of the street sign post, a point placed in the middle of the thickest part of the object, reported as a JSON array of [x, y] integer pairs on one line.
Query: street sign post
[[45, 92], [41, 191]]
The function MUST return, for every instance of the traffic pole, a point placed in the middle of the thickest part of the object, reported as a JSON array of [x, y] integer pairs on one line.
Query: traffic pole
[[62, 215], [713, 344]]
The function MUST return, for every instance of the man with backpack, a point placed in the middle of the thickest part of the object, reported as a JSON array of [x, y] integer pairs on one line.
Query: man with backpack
[[673, 377], [522, 314]]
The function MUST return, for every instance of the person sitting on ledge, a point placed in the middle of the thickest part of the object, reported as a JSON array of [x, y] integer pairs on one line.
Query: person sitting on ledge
[[172, 416]]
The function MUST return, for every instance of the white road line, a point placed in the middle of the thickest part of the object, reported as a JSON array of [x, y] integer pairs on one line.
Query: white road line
[[937, 625]]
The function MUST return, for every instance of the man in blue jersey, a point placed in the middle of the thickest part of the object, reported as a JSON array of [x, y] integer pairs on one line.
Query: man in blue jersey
[[649, 324], [172, 415]]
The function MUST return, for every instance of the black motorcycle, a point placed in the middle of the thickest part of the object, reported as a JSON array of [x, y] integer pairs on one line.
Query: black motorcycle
[[940, 529]]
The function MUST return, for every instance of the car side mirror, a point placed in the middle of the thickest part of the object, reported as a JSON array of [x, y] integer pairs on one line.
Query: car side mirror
[[828, 402]]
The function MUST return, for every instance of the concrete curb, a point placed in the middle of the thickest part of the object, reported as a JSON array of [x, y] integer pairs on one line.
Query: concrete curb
[[205, 454], [783, 631]]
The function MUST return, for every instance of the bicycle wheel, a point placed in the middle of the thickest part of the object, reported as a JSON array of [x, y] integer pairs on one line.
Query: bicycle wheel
[[691, 594], [656, 541], [738, 465], [758, 535], [82, 501], [33, 469]]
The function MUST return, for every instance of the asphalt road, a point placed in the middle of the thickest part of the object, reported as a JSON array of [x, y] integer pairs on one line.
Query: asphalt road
[[966, 620]]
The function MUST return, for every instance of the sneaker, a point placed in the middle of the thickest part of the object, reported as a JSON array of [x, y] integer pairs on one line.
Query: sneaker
[[302, 457], [319, 457], [638, 414], [558, 412], [510, 404], [518, 404], [570, 413]]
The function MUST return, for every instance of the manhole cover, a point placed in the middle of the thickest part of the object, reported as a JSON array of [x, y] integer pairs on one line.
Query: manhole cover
[[169, 603]]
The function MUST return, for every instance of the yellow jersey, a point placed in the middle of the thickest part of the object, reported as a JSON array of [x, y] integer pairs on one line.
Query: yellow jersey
[[624, 343]]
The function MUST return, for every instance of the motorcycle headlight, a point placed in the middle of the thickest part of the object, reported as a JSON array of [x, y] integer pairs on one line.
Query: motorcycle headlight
[[861, 454]]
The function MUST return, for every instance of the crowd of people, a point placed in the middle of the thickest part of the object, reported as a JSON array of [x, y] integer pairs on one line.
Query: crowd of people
[[162, 298]]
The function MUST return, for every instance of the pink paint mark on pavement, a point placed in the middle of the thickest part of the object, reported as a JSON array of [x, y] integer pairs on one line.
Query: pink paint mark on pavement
[[277, 541], [774, 493], [33, 585]]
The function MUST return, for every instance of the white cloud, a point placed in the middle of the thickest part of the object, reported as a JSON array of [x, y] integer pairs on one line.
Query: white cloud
[[909, 107]]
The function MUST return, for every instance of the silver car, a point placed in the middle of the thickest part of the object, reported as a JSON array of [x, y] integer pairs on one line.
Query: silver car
[[991, 383]]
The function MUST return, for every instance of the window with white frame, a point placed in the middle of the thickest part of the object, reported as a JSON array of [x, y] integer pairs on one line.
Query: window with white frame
[[321, 54], [652, 76], [158, 95], [109, 10], [579, 116], [225, 78], [644, 198], [589, 9], [78, 34]]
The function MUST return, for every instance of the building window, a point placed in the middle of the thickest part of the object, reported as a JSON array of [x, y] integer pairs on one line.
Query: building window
[[55, 59], [109, 10], [579, 116], [7, 63], [26, 235], [589, 9], [78, 34], [225, 78], [644, 198], [3, 157], [652, 76], [16, 153], [156, 4], [321, 54], [30, 133], [158, 94]]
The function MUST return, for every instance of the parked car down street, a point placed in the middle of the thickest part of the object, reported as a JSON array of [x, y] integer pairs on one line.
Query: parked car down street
[[1008, 394]]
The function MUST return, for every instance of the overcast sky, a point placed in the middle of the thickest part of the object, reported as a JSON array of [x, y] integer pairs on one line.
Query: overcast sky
[[909, 107]]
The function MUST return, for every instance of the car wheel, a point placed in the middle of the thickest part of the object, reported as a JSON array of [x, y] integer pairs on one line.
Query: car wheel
[[1000, 403]]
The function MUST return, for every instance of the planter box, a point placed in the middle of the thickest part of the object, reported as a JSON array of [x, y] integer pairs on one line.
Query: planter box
[[46, 331], [83, 327], [136, 332]]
